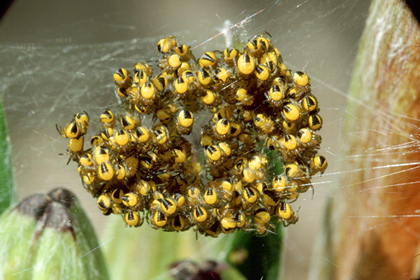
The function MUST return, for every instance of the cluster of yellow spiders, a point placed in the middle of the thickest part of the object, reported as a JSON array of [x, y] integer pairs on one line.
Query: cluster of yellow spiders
[[148, 162]]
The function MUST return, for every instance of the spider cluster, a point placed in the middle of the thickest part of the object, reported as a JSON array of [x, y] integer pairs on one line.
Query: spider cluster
[[143, 163]]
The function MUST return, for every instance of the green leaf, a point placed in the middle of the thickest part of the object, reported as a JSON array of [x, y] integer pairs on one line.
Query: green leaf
[[263, 253], [7, 189]]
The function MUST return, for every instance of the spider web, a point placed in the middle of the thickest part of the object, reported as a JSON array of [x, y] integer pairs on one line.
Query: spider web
[[57, 64]]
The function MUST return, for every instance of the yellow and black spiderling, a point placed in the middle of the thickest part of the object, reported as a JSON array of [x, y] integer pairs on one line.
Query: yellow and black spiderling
[[133, 219], [145, 163]]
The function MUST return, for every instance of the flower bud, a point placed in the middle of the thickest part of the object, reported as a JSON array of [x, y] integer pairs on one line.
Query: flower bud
[[49, 237]]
